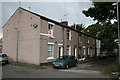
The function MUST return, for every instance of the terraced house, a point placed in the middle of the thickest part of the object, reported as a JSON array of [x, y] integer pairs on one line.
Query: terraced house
[[35, 39], [1, 45]]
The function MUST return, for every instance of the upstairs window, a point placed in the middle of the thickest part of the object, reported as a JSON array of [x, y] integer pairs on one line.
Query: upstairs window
[[69, 35], [50, 30], [80, 39], [50, 27]]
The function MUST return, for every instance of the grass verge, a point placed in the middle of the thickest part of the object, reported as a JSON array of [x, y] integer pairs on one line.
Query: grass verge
[[114, 67]]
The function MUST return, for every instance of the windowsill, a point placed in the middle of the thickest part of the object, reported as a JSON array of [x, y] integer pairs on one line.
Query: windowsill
[[69, 39], [52, 37], [49, 58]]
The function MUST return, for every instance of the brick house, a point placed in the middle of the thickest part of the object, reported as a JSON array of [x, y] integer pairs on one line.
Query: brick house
[[1, 44], [35, 39]]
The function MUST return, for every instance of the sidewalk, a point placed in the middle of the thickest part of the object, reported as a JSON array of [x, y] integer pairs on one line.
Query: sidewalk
[[24, 65]]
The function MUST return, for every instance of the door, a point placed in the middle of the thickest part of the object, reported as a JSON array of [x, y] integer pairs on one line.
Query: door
[[75, 51], [60, 51]]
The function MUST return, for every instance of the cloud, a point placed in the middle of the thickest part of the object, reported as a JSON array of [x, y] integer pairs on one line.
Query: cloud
[[1, 36], [53, 10]]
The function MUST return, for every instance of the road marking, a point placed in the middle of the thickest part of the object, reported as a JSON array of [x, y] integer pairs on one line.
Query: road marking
[[82, 71]]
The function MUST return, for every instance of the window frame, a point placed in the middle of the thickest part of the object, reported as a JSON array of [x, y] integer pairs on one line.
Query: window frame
[[52, 24], [68, 48], [69, 34], [51, 50]]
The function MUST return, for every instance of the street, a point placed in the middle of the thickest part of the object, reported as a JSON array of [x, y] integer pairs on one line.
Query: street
[[92, 69]]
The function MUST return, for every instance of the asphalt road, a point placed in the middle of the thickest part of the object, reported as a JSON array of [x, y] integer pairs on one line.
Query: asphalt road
[[20, 72], [98, 65], [86, 70]]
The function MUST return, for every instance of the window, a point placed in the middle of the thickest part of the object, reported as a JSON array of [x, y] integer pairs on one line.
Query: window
[[88, 51], [50, 27], [80, 40], [68, 50], [69, 35], [88, 41], [50, 30], [50, 50]]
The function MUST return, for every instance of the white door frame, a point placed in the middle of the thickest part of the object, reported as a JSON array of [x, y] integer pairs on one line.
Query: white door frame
[[61, 51], [75, 53]]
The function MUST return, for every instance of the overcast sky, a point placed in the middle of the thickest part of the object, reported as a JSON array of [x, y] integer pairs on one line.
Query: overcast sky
[[52, 10]]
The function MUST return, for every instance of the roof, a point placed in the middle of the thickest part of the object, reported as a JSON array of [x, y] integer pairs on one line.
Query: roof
[[55, 22]]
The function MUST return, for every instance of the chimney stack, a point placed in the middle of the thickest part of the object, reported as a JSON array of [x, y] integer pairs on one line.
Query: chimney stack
[[64, 23]]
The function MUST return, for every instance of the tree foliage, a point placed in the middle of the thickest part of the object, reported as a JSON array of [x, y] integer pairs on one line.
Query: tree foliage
[[103, 12], [78, 26], [106, 33]]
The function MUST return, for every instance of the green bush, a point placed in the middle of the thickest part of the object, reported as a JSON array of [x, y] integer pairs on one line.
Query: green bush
[[115, 67]]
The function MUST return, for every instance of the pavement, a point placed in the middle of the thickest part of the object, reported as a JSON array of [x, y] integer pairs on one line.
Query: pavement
[[24, 65]]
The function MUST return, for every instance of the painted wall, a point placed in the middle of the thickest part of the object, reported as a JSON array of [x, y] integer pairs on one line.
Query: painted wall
[[9, 36], [28, 37]]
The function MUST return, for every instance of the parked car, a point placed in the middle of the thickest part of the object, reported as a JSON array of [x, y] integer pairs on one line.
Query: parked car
[[65, 62], [103, 55], [3, 59]]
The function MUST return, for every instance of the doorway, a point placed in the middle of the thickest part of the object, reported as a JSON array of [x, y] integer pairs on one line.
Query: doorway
[[60, 51], [75, 51]]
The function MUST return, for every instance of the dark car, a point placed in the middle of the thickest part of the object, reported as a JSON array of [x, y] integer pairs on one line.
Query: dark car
[[103, 55], [65, 62], [3, 59]]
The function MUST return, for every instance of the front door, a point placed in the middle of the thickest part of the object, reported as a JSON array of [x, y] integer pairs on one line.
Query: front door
[[60, 51], [75, 51]]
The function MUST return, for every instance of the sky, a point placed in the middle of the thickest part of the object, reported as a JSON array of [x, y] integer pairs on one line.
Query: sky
[[65, 11]]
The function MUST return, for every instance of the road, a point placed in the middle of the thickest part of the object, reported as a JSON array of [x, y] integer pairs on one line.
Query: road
[[85, 70]]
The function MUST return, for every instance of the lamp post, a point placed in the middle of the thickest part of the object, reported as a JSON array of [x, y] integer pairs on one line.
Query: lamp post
[[17, 44], [118, 16]]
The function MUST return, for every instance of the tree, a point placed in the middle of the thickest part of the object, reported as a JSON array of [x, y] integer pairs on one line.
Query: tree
[[78, 26], [106, 33], [103, 12], [94, 30]]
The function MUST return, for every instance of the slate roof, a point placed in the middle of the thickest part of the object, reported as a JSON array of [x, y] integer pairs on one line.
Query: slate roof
[[53, 21]]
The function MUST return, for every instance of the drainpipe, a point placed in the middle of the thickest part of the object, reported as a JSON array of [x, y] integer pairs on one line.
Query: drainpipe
[[118, 15], [17, 43], [63, 40]]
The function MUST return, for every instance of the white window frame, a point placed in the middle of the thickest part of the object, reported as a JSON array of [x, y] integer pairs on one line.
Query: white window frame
[[51, 36], [70, 33], [51, 57], [80, 40], [49, 23], [88, 41]]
